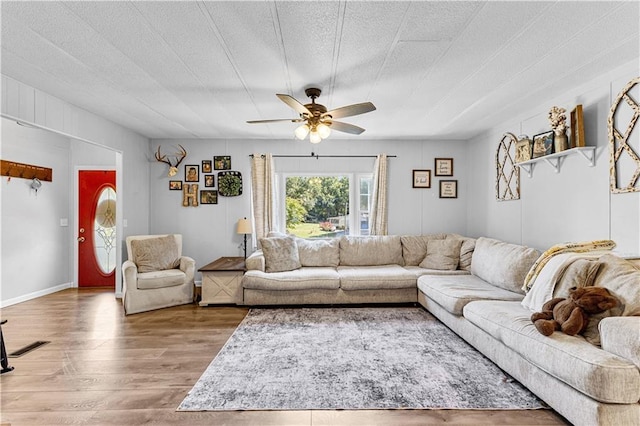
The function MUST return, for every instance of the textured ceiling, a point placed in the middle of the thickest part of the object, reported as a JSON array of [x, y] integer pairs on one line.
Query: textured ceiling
[[200, 69]]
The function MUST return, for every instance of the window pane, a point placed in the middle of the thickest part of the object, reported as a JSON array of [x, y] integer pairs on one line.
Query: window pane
[[317, 206], [104, 231]]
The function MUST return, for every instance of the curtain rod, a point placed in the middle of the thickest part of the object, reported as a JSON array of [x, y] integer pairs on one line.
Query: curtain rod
[[316, 156]]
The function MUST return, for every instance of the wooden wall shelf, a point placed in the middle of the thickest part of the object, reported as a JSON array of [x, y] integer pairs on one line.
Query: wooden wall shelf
[[555, 160]]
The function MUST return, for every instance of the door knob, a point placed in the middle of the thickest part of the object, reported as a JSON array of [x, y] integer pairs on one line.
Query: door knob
[[81, 240]]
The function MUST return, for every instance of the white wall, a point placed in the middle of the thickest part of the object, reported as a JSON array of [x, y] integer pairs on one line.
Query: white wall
[[209, 230], [76, 138], [573, 205]]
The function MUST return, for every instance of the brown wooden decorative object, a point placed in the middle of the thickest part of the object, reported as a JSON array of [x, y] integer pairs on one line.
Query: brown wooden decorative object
[[577, 128], [25, 171], [619, 148], [190, 194], [507, 173]]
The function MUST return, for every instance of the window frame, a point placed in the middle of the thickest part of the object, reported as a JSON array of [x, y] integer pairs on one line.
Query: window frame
[[354, 196]]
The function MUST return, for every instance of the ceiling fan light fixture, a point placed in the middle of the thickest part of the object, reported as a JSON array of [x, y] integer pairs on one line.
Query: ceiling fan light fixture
[[323, 130], [314, 137], [301, 132]]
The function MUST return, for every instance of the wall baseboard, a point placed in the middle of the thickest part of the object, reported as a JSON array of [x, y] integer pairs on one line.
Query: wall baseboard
[[34, 295]]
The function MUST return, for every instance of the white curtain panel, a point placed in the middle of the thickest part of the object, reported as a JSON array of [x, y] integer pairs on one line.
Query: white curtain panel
[[262, 189], [378, 214]]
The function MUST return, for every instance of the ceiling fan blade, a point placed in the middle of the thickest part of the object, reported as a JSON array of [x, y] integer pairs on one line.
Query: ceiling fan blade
[[349, 110], [290, 120], [293, 103], [346, 127]]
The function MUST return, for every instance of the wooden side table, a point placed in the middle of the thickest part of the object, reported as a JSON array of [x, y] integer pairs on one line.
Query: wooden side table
[[221, 281]]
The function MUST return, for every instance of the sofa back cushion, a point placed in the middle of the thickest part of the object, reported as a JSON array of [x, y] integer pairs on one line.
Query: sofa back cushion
[[501, 264], [319, 252], [414, 247], [155, 254], [280, 254], [371, 251], [622, 278]]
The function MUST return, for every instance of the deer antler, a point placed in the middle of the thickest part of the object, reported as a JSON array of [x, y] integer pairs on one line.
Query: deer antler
[[179, 156]]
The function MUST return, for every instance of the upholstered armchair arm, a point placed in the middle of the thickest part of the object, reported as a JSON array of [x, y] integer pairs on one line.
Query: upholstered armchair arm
[[129, 274], [188, 266], [619, 335], [255, 262]]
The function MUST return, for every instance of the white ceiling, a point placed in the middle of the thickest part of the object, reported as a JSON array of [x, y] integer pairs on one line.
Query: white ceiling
[[200, 69]]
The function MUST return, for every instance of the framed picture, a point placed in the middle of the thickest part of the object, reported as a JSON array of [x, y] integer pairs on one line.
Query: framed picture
[[192, 173], [222, 162], [448, 189], [206, 166], [209, 181], [444, 167], [422, 178], [542, 144], [577, 128], [175, 185], [523, 149], [208, 196]]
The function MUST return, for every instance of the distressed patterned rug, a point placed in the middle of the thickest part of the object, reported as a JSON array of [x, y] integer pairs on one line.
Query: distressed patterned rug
[[351, 358]]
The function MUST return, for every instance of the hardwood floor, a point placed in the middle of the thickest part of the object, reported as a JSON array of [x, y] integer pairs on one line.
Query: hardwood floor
[[102, 368]]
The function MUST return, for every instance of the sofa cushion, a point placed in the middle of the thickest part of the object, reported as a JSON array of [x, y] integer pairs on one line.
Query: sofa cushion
[[579, 273], [375, 277], [418, 271], [155, 254], [502, 264], [299, 279], [414, 247], [442, 254], [466, 250], [160, 279], [280, 254], [319, 252], [622, 278], [371, 251], [599, 374], [454, 292]]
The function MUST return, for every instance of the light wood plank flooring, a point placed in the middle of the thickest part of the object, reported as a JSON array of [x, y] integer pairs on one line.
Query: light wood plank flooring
[[102, 368]]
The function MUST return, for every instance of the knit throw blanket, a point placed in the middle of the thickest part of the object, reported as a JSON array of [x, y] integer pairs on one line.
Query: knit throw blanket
[[583, 247]]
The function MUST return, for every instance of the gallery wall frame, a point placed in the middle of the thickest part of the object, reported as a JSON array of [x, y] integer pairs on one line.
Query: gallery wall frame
[[448, 189], [443, 167], [422, 178]]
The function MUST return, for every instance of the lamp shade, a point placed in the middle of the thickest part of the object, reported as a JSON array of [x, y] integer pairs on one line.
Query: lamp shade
[[302, 132], [244, 226]]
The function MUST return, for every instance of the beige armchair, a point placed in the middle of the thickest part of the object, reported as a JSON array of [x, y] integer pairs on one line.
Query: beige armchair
[[156, 275]]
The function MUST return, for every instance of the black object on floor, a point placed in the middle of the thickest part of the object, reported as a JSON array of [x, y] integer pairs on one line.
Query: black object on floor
[[28, 348], [3, 353]]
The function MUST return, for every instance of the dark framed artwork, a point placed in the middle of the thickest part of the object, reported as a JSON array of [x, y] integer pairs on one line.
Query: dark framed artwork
[[229, 183], [175, 185], [422, 178], [208, 196], [443, 167], [222, 162], [192, 173], [542, 144], [206, 166], [448, 189], [577, 128], [209, 181]]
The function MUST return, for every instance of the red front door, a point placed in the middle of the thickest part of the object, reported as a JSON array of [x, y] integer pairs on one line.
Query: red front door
[[96, 228]]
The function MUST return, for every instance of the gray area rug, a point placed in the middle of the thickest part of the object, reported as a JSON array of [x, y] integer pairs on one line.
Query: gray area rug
[[351, 358]]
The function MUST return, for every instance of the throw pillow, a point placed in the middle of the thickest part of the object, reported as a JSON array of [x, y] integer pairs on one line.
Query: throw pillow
[[442, 255], [466, 250], [280, 254], [319, 252], [579, 273], [414, 247], [155, 254], [620, 277]]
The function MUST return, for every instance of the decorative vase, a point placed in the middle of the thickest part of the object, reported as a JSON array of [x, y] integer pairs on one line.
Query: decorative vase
[[560, 141]]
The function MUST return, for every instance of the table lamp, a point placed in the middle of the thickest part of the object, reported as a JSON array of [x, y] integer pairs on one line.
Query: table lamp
[[244, 227]]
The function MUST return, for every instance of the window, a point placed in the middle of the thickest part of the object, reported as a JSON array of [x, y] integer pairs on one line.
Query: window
[[321, 206]]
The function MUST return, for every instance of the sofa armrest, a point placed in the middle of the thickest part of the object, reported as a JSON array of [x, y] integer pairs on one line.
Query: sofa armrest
[[188, 266], [619, 336], [129, 273], [255, 262]]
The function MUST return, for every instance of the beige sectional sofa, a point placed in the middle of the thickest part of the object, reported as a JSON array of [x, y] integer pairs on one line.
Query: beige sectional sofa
[[475, 288]]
